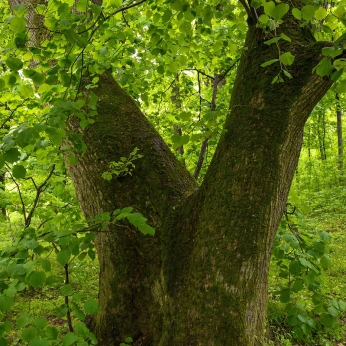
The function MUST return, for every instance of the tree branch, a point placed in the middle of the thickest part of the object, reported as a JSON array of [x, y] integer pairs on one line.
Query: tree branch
[[39, 190], [249, 14], [20, 194]]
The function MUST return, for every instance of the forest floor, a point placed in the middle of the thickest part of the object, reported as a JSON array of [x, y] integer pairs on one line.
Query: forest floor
[[84, 278]]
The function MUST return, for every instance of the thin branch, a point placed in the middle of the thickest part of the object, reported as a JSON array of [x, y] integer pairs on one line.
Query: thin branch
[[201, 158], [10, 117], [249, 14], [43, 223], [217, 79], [40, 189], [200, 97], [253, 12], [125, 8], [20, 194], [201, 72], [33, 181]]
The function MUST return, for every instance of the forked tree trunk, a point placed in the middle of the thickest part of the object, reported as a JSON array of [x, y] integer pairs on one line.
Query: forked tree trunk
[[211, 287], [202, 280]]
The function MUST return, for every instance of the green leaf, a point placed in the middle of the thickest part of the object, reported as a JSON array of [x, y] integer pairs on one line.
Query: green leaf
[[273, 40], [29, 334], [45, 264], [308, 12], [40, 322], [287, 58], [298, 285], [63, 257], [39, 342], [103, 51], [185, 116], [18, 171], [269, 62], [321, 13], [324, 67], [82, 5], [81, 329], [292, 320], [26, 91], [295, 267], [3, 341], [326, 262], [128, 340], [333, 311], [342, 305], [52, 333], [69, 339], [36, 77], [324, 236], [72, 160], [23, 321], [66, 290], [91, 306], [296, 13], [72, 37], [263, 18], [285, 296], [285, 37], [37, 279], [279, 11], [166, 16], [14, 64], [298, 332], [341, 87], [17, 24], [269, 7], [5, 303], [326, 320]]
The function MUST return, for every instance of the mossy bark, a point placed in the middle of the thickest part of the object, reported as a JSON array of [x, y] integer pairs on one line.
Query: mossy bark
[[131, 293], [217, 245]]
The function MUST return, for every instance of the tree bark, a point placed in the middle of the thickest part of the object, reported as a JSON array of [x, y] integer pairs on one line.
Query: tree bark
[[339, 114], [217, 247], [131, 290], [2, 187]]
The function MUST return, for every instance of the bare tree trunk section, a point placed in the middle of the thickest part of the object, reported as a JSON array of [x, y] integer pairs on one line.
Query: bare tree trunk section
[[339, 115]]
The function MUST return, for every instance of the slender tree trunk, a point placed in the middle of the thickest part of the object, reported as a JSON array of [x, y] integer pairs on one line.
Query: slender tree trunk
[[2, 186], [176, 101], [339, 114], [321, 136]]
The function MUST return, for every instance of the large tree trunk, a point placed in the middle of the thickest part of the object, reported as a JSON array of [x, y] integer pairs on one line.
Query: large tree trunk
[[131, 291], [211, 288], [217, 245]]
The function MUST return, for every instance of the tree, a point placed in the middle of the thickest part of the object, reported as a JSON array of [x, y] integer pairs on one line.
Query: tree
[[203, 278], [339, 114]]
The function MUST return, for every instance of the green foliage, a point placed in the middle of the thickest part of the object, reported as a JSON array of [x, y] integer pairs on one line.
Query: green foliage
[[124, 167], [166, 55]]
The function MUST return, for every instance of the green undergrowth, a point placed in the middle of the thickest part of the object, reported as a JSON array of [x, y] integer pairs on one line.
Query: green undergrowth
[[331, 218], [44, 300]]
